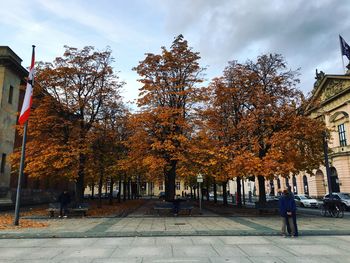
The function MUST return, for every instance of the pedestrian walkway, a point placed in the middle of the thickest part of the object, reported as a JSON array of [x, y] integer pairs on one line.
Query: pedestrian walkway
[[182, 225], [184, 249]]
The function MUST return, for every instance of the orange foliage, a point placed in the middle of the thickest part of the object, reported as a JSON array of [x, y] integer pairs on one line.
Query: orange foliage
[[162, 130], [6, 222]]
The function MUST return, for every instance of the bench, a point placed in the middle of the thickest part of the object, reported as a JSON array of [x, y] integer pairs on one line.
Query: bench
[[270, 206], [80, 209], [167, 206]]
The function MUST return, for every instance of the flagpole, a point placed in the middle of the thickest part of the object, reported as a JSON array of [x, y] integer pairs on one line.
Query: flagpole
[[20, 176], [21, 166]]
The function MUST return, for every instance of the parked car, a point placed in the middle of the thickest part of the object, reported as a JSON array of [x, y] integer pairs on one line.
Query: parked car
[[271, 198], [344, 198], [305, 201]]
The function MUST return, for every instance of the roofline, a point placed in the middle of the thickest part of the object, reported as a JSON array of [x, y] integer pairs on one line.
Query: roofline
[[10, 59], [319, 87]]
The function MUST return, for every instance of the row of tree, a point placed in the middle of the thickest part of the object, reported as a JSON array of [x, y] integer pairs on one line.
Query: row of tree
[[250, 122]]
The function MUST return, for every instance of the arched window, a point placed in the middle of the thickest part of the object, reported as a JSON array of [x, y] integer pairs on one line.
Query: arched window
[[295, 187], [287, 182], [306, 186], [278, 183], [334, 180], [272, 188]]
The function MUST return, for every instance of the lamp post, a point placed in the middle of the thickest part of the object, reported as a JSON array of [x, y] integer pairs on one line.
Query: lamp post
[[199, 181], [328, 171]]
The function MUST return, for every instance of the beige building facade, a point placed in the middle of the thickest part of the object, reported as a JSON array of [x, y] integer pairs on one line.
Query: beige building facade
[[12, 76], [332, 97]]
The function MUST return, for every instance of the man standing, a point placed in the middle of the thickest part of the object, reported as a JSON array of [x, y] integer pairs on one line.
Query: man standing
[[287, 208], [64, 200]]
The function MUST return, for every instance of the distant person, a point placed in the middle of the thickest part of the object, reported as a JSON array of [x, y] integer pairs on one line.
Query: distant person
[[294, 215], [287, 207], [64, 200]]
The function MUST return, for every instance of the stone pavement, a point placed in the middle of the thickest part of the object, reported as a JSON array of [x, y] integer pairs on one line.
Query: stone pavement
[[214, 249], [207, 225]]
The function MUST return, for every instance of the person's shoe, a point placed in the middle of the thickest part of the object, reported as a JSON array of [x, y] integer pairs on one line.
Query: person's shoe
[[65, 216], [59, 216], [283, 235], [292, 236]]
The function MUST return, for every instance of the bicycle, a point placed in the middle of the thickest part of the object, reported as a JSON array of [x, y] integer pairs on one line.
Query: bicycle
[[332, 207]]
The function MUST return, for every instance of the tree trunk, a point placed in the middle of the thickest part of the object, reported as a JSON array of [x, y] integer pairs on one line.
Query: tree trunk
[[129, 186], [243, 192], [79, 185], [215, 193], [194, 193], [262, 192], [224, 194], [170, 176], [207, 193], [92, 190], [124, 190], [120, 191], [239, 193], [111, 191], [191, 192], [100, 183], [198, 191]]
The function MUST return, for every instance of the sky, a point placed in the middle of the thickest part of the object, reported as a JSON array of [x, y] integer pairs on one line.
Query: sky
[[306, 33]]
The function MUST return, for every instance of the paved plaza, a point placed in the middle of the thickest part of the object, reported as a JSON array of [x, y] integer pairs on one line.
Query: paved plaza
[[142, 223], [186, 249], [210, 237]]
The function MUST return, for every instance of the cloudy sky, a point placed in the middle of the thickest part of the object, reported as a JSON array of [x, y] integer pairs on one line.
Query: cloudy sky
[[305, 32]]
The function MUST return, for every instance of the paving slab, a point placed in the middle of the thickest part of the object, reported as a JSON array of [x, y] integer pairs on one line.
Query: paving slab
[[229, 251], [318, 249], [82, 253], [113, 242], [229, 260], [200, 240], [174, 240], [266, 260], [309, 259], [142, 251], [118, 260], [230, 240], [194, 251], [176, 260], [264, 250]]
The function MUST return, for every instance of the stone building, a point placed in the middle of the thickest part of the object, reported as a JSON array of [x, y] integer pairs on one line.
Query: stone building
[[331, 94], [12, 76]]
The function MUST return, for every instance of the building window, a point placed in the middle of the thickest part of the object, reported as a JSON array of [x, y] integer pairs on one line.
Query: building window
[[161, 186], [3, 163], [10, 95], [342, 137], [177, 185]]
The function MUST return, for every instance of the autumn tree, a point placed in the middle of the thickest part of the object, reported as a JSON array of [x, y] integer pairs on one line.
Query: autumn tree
[[106, 146], [51, 145], [166, 102], [256, 114], [82, 86]]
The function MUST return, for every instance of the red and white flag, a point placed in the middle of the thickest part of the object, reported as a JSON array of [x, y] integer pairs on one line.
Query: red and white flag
[[27, 102]]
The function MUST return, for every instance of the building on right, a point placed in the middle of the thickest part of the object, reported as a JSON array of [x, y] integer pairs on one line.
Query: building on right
[[331, 104]]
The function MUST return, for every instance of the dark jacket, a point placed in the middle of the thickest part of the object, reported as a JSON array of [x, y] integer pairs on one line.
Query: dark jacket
[[64, 198], [286, 204]]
